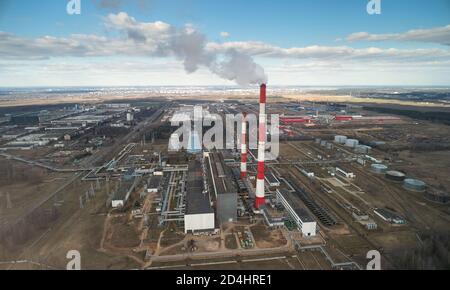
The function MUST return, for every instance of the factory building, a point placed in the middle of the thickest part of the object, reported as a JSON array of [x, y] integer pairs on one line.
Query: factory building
[[302, 218], [224, 189], [199, 215], [345, 174], [389, 216]]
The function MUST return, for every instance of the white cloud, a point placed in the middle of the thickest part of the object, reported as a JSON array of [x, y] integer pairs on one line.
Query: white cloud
[[144, 47], [440, 35], [224, 34]]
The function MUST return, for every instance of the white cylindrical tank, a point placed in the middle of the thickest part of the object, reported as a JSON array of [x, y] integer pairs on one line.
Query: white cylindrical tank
[[362, 149], [351, 143], [378, 168], [414, 184], [340, 139]]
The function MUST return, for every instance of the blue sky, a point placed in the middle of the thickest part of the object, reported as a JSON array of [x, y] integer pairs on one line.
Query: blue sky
[[326, 24]]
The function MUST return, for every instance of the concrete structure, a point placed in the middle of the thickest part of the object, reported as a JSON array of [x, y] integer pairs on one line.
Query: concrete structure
[[302, 218], [260, 188]]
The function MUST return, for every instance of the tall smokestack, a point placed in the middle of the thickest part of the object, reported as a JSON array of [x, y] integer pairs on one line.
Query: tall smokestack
[[260, 190], [244, 148]]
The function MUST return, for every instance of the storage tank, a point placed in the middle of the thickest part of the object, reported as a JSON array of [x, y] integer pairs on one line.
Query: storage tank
[[351, 143], [378, 168], [340, 139], [362, 149], [395, 175], [414, 184]]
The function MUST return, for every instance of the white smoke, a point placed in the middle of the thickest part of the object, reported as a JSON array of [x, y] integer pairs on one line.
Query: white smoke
[[191, 47]]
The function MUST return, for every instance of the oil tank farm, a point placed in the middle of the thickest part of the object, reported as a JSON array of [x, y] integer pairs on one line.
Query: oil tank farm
[[414, 185], [395, 175], [378, 168]]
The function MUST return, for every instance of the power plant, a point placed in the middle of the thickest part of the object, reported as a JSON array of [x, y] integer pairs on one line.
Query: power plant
[[183, 199]]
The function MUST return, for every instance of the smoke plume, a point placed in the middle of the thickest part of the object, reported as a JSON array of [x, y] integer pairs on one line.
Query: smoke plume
[[191, 47]]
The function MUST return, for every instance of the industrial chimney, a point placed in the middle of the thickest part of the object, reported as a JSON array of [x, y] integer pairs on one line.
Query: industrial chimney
[[244, 148], [260, 191]]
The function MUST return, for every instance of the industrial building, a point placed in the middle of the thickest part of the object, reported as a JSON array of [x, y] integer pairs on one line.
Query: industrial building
[[344, 173], [302, 218], [224, 188], [389, 216], [199, 215]]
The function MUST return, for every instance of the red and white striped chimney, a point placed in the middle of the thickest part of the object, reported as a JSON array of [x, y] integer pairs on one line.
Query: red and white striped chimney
[[260, 190], [244, 148]]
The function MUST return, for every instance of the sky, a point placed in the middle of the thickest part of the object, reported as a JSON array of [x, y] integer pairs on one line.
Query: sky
[[244, 42]]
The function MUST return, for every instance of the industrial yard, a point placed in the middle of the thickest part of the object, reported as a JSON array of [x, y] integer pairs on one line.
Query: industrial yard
[[105, 180]]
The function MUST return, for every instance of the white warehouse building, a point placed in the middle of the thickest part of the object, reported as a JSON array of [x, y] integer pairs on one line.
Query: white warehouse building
[[304, 221]]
